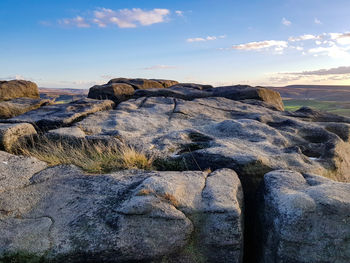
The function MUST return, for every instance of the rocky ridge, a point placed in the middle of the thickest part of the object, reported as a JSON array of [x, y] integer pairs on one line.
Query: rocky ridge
[[272, 157]]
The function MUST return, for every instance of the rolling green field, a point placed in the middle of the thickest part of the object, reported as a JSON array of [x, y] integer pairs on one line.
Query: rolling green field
[[336, 107]]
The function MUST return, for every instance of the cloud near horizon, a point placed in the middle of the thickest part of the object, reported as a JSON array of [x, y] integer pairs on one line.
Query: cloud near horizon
[[122, 18], [159, 67]]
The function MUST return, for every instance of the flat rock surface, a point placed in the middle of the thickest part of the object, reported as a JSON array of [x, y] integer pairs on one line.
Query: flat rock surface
[[60, 213], [17, 89], [18, 106], [219, 132], [304, 218], [60, 115]]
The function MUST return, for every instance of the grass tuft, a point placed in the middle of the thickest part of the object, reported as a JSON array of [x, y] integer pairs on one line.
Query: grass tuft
[[91, 157]]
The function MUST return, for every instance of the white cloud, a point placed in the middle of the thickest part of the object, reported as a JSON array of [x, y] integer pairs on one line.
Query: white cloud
[[341, 38], [208, 38], [303, 38], [129, 18], [123, 18], [159, 67], [77, 21], [179, 13], [16, 77], [286, 22], [317, 21], [332, 71], [332, 51], [276, 45]]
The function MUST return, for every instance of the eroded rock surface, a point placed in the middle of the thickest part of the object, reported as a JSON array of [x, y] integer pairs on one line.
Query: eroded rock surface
[[61, 115], [121, 89], [304, 218], [219, 132], [129, 215], [11, 133], [18, 106], [18, 88]]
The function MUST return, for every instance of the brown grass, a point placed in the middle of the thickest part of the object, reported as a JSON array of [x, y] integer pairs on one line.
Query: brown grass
[[91, 157]]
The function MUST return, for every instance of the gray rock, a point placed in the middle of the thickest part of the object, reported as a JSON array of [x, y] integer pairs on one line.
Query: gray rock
[[63, 215], [15, 107], [61, 115], [11, 133], [218, 132], [304, 218], [17, 89], [122, 89], [70, 133], [194, 91]]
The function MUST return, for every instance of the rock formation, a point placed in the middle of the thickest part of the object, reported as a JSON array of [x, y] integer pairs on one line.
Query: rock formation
[[17, 89], [276, 186]]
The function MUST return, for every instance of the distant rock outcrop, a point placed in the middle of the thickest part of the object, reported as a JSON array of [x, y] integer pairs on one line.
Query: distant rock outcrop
[[304, 218], [121, 89], [64, 215], [17, 89]]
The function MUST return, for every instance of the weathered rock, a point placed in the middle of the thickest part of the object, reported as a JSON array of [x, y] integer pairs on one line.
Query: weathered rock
[[304, 218], [10, 134], [194, 91], [18, 106], [218, 132], [17, 89], [70, 133], [117, 92], [61, 115], [309, 114], [122, 89], [64, 215]]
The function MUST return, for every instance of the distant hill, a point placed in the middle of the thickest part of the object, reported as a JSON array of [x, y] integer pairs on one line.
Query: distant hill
[[63, 95], [314, 92]]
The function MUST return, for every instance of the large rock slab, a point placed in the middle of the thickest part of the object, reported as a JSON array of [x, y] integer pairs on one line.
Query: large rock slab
[[219, 132], [122, 89], [304, 218], [63, 215], [60, 115], [11, 133], [238, 92], [18, 106], [17, 89]]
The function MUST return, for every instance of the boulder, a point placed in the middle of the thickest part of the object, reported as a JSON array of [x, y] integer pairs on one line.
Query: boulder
[[63, 215], [194, 91], [122, 89], [18, 106], [61, 115], [304, 218], [18, 88], [10, 134]]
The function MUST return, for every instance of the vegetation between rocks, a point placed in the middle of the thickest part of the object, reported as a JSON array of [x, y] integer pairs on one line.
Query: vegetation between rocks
[[92, 157]]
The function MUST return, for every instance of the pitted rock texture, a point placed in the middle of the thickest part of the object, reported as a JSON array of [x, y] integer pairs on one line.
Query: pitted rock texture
[[18, 106], [218, 132], [120, 217], [11, 133], [62, 115], [304, 218], [17, 89]]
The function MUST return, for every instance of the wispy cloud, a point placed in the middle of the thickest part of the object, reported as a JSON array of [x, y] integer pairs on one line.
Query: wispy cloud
[[286, 22], [341, 38], [332, 71], [17, 77], [123, 18], [203, 39], [159, 67], [179, 13], [263, 45], [317, 21], [303, 38], [77, 21]]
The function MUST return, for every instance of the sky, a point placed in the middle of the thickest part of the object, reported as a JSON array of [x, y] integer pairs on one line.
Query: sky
[[81, 43]]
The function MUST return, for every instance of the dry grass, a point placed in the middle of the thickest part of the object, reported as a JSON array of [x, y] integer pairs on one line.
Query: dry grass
[[91, 157]]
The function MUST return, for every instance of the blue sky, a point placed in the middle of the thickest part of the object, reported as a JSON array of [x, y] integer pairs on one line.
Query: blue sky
[[79, 43]]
